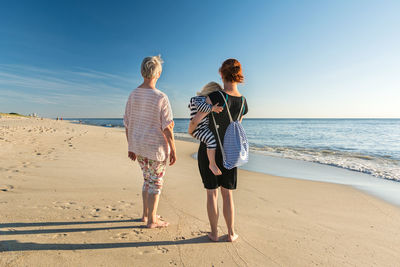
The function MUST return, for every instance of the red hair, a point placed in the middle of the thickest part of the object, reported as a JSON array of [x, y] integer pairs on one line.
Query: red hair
[[231, 71]]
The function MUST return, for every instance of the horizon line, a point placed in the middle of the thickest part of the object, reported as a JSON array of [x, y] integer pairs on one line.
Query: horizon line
[[260, 118]]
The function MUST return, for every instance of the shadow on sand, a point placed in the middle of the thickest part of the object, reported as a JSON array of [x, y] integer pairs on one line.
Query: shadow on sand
[[38, 224], [63, 230], [15, 245]]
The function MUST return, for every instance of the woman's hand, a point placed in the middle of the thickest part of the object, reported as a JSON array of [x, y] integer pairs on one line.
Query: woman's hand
[[216, 108], [169, 136], [131, 155], [172, 157]]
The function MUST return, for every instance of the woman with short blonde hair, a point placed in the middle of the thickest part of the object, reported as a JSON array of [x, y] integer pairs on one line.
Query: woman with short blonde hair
[[149, 130], [151, 67]]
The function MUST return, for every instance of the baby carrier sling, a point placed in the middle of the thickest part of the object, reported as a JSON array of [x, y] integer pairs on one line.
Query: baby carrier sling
[[235, 150]]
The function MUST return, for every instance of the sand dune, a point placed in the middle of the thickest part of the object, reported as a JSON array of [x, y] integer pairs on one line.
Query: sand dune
[[69, 196]]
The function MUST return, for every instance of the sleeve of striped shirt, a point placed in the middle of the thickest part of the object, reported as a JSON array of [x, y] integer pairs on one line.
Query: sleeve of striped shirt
[[166, 116], [202, 105], [127, 112]]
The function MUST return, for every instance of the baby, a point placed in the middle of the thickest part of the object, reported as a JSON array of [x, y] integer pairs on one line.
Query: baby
[[198, 126]]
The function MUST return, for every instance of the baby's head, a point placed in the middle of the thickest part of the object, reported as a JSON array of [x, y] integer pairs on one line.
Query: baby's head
[[209, 88]]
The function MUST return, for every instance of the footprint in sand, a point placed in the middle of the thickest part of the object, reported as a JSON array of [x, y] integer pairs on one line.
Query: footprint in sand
[[138, 231], [162, 250], [63, 205], [26, 164], [59, 235], [6, 188], [199, 233], [126, 204], [95, 212], [158, 250], [173, 263], [121, 236], [111, 208]]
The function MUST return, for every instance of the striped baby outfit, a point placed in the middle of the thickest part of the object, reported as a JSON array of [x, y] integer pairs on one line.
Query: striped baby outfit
[[202, 132]]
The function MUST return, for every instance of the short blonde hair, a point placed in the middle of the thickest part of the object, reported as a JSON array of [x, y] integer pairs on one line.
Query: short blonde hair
[[209, 88], [151, 66]]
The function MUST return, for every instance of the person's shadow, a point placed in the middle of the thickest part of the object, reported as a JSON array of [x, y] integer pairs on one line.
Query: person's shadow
[[15, 245]]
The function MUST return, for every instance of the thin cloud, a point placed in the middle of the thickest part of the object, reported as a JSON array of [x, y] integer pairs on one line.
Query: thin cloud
[[24, 97], [21, 77], [69, 89], [104, 75]]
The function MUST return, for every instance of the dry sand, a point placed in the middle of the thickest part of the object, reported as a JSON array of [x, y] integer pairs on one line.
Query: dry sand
[[69, 196]]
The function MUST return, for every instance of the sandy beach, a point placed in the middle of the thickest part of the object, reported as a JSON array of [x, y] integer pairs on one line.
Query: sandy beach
[[69, 196]]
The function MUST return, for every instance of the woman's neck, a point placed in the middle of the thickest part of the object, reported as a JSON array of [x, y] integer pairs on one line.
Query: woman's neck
[[231, 89], [148, 83]]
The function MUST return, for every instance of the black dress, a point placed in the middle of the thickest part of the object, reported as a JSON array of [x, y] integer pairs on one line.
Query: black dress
[[228, 179]]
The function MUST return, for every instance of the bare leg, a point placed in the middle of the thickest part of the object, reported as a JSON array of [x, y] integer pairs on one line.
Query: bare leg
[[212, 210], [213, 166], [145, 206], [229, 213], [153, 221]]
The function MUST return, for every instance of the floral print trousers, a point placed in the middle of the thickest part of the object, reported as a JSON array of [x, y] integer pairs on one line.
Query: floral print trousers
[[153, 174]]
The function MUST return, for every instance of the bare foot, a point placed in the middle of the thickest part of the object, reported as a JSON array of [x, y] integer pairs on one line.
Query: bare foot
[[144, 219], [158, 224], [213, 237], [232, 238], [215, 170]]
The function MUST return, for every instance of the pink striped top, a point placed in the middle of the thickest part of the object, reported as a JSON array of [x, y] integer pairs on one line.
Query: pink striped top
[[147, 114]]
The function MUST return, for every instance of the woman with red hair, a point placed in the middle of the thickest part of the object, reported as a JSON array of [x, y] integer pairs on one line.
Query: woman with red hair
[[232, 74]]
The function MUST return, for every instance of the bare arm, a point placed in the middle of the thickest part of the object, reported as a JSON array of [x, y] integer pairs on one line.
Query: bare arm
[[195, 121], [200, 115], [169, 136]]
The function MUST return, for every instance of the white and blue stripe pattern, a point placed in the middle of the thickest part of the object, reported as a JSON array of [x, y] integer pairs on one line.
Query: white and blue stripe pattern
[[236, 146], [202, 131]]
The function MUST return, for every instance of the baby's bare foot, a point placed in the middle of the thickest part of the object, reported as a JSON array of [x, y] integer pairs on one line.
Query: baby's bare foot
[[213, 237], [215, 170]]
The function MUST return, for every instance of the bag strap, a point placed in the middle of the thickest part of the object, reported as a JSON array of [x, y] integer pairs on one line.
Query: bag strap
[[227, 107], [219, 139], [241, 109]]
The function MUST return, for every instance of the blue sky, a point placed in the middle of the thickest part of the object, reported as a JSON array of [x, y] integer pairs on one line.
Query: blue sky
[[300, 58]]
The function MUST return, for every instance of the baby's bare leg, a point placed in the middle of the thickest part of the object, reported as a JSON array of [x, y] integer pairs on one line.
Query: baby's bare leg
[[213, 166]]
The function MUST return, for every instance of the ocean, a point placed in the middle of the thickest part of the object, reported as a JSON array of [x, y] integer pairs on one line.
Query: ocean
[[369, 146]]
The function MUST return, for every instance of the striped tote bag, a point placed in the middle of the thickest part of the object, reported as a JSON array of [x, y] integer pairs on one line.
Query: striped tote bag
[[235, 150]]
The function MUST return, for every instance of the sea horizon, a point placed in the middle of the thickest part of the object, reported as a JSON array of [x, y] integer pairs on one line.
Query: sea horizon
[[260, 118]]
